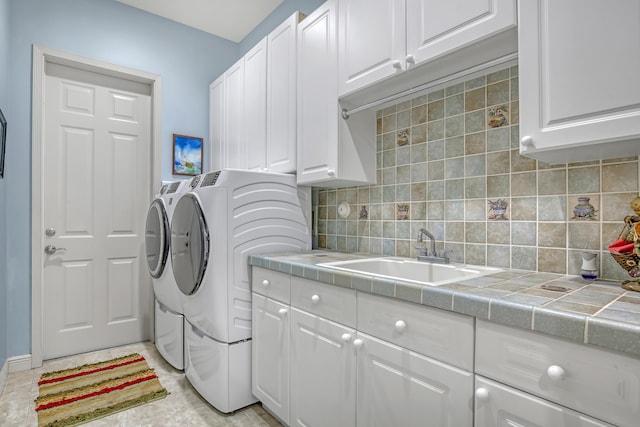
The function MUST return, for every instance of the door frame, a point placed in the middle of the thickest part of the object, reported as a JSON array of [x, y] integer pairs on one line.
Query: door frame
[[42, 56]]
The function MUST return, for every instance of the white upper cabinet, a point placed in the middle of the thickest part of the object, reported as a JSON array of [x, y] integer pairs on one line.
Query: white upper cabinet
[[331, 151], [382, 38], [255, 106], [281, 97], [234, 116], [216, 124], [579, 72], [253, 113], [435, 28], [371, 42]]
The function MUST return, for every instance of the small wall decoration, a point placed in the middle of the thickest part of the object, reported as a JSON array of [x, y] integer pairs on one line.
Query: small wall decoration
[[363, 213], [498, 209], [583, 210], [3, 141], [187, 155], [498, 116], [403, 137], [403, 211]]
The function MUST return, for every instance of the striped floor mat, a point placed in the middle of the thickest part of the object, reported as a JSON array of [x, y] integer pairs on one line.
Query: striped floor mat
[[78, 395]]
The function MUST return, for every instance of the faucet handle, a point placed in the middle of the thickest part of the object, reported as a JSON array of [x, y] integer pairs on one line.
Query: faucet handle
[[422, 251], [442, 253]]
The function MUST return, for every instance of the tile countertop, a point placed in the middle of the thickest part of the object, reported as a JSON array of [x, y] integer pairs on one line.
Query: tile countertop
[[598, 313]]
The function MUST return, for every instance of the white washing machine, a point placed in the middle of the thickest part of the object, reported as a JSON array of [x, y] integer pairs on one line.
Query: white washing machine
[[230, 215], [169, 320]]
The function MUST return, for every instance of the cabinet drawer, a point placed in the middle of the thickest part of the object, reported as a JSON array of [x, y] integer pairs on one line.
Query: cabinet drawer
[[271, 284], [499, 405], [599, 383], [397, 387], [435, 333], [328, 301]]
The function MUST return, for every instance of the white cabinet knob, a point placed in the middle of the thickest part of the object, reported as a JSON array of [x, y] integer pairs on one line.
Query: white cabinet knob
[[527, 141], [482, 394], [556, 373], [410, 60], [315, 299], [397, 65], [266, 282], [346, 337], [401, 326], [358, 343], [282, 311], [331, 172]]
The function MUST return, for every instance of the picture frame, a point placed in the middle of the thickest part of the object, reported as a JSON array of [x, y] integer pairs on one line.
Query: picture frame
[[3, 142], [187, 155]]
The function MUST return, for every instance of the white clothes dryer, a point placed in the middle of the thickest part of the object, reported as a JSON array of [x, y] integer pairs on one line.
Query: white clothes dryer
[[168, 320], [230, 215]]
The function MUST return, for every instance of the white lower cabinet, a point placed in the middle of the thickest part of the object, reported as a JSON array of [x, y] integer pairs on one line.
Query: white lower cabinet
[[398, 387], [336, 375], [270, 355], [323, 372], [598, 383], [326, 355], [500, 405]]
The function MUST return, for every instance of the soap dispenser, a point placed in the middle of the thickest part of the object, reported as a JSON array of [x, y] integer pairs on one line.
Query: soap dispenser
[[589, 269]]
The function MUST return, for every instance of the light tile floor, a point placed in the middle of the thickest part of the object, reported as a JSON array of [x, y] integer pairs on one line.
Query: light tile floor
[[183, 406]]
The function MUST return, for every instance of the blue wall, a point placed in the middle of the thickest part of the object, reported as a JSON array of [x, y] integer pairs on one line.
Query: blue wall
[[106, 30], [187, 59], [4, 90]]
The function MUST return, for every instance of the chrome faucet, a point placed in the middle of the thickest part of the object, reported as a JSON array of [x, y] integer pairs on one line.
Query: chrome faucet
[[430, 255], [424, 232]]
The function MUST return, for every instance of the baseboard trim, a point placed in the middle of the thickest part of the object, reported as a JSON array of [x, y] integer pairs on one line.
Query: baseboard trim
[[4, 372], [19, 363]]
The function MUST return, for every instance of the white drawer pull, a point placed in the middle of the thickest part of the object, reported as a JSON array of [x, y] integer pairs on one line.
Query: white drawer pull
[[482, 394], [282, 311], [358, 343], [397, 65], [346, 337], [401, 326], [556, 373], [315, 299], [266, 282]]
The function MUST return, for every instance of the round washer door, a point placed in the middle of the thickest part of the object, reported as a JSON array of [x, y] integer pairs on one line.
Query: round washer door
[[189, 244], [156, 241]]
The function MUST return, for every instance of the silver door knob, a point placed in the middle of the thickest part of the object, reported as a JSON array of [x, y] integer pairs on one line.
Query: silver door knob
[[51, 249], [50, 232]]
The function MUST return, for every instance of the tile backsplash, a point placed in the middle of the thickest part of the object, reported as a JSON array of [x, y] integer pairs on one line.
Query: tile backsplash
[[448, 161]]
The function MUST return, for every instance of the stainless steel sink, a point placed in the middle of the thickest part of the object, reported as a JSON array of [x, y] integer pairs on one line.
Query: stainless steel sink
[[410, 270]]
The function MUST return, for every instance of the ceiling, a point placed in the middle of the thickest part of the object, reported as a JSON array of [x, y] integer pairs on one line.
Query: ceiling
[[229, 19]]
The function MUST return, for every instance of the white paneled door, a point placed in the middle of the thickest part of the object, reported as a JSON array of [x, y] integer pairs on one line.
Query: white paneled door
[[96, 181]]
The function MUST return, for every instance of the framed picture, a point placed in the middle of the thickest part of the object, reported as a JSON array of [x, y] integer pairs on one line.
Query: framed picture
[[3, 142], [187, 155]]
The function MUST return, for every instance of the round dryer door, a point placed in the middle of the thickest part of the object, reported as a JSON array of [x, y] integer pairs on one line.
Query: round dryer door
[[189, 244], [156, 241]]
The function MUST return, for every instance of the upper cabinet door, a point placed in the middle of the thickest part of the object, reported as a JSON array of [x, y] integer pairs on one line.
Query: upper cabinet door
[[234, 116], [317, 95], [436, 27], [579, 72], [281, 96], [371, 42], [216, 124], [255, 106]]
